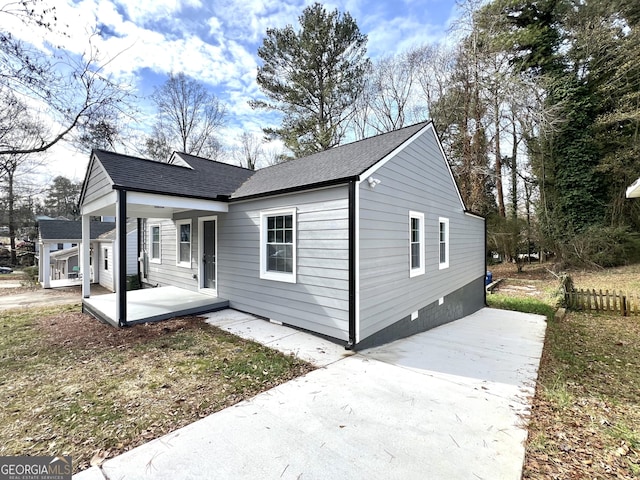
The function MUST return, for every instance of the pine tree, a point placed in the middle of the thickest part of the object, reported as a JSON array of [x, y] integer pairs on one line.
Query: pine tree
[[313, 76]]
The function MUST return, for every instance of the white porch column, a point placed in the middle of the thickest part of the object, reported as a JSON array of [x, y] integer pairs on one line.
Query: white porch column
[[83, 256], [46, 265]]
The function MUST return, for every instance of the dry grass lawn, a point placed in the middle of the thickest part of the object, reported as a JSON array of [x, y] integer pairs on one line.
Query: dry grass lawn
[[72, 386], [585, 421]]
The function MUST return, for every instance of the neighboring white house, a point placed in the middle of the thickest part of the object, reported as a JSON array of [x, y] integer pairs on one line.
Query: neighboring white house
[[365, 243], [105, 254], [58, 251]]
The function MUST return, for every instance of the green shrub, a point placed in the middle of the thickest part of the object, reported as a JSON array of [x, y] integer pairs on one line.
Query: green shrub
[[31, 275], [133, 283]]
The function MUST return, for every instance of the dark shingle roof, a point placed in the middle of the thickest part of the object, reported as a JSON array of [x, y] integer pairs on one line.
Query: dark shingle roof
[[205, 179], [331, 166], [212, 180], [70, 230]]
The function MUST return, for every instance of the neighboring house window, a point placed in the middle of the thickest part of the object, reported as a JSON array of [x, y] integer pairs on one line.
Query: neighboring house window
[[184, 243], [106, 259], [60, 246], [444, 243], [416, 244], [154, 241], [74, 245], [278, 245]]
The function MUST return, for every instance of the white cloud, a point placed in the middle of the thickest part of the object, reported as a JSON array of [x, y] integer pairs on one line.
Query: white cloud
[[140, 11], [215, 43]]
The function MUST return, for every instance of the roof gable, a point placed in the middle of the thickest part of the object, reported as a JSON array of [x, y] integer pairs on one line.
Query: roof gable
[[333, 166]]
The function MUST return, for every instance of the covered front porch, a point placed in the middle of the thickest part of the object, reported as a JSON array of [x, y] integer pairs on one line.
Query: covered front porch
[[152, 305], [125, 187]]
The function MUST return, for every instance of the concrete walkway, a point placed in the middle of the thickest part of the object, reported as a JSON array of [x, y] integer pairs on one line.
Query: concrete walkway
[[450, 403]]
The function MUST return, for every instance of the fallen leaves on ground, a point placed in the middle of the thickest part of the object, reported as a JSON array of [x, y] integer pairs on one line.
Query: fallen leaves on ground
[[585, 420], [74, 386]]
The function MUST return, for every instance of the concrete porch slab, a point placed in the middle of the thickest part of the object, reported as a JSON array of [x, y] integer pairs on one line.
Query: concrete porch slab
[[153, 304]]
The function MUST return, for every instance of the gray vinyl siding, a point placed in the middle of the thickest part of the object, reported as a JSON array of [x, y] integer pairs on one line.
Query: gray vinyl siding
[[99, 183], [132, 252], [167, 272], [417, 179], [319, 300]]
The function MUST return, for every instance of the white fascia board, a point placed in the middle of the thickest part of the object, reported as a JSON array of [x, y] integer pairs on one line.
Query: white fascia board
[[474, 215], [367, 173], [168, 201], [106, 201]]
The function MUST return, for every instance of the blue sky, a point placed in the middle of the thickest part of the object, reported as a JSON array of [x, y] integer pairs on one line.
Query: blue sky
[[216, 42]]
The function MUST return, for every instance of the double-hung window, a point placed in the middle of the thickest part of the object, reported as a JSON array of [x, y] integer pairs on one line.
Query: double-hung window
[[278, 245], [183, 254], [443, 250], [154, 242], [416, 244]]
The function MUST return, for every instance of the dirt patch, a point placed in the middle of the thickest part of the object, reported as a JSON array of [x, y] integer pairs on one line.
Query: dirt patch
[[74, 386], [79, 330], [532, 271]]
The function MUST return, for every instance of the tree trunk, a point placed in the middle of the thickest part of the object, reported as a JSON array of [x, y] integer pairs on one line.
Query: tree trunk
[[514, 170], [12, 219], [498, 173]]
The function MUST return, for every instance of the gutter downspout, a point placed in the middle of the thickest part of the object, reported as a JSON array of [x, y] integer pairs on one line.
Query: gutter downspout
[[139, 249], [485, 263], [352, 266]]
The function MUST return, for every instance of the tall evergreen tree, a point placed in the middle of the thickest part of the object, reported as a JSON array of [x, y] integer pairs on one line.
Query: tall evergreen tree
[[584, 57], [62, 198], [313, 76]]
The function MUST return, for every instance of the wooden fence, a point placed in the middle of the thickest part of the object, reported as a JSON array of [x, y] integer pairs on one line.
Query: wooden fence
[[619, 302]]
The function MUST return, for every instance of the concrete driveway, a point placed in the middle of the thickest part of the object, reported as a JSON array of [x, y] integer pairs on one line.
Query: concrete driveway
[[450, 403]]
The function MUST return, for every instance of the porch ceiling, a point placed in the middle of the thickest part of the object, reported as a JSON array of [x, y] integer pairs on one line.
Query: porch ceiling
[[151, 205]]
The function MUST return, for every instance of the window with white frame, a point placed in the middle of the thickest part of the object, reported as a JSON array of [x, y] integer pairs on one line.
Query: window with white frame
[[443, 249], [106, 259], [278, 245], [183, 254], [416, 244], [154, 243]]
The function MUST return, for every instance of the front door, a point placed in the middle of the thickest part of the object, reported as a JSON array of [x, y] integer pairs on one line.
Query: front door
[[209, 254]]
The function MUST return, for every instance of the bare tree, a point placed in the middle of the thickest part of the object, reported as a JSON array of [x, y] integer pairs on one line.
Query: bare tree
[[390, 89], [189, 116], [73, 93], [250, 151], [16, 128], [434, 67]]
